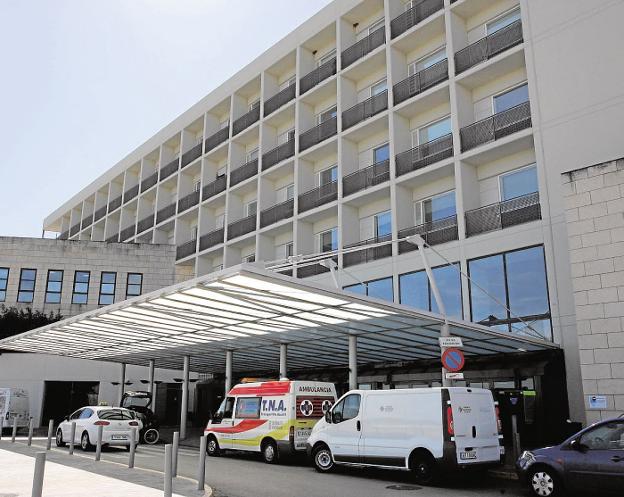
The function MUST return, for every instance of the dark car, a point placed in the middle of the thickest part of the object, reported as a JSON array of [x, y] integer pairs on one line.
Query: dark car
[[590, 461]]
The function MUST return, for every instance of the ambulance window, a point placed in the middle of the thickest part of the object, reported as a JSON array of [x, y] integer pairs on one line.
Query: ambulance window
[[228, 408], [248, 407], [347, 408]]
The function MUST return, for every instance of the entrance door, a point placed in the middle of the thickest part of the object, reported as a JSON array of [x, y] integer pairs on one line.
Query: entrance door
[[61, 398]]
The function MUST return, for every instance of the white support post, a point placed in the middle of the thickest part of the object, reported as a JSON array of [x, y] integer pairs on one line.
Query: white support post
[[185, 393], [122, 381], [353, 374], [283, 365], [228, 371], [150, 378]]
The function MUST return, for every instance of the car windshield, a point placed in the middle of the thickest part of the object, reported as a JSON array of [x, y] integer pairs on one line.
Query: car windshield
[[115, 414]]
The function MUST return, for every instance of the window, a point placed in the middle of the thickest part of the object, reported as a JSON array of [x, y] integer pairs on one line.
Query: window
[[517, 183], [609, 436], [415, 291], [518, 280], [222, 171], [328, 240], [225, 411], [381, 289], [248, 407], [379, 87], [510, 98], [431, 131], [251, 208], [286, 137], [383, 224], [76, 414], [197, 185], [381, 154], [348, 408], [224, 124], [250, 258], [115, 414], [426, 61], [107, 288], [326, 115], [54, 286], [254, 105], [81, 287], [434, 208], [4, 278], [327, 57], [86, 413], [134, 285], [26, 291], [370, 29], [288, 249], [502, 21], [219, 221], [327, 176], [218, 267], [252, 154], [289, 82], [193, 233]]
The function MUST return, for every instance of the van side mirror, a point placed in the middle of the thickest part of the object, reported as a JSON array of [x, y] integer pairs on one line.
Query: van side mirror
[[328, 417], [66, 418]]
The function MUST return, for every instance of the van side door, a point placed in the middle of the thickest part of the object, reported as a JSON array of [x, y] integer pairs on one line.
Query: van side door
[[343, 434]]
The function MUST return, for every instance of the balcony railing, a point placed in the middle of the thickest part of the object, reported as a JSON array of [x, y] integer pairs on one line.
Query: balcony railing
[[276, 213], [214, 188], [319, 196], [421, 81], [363, 110], [127, 233], [413, 16], [130, 193], [192, 154], [311, 270], [319, 74], [433, 232], [87, 221], [281, 98], [246, 171], [186, 249], [169, 169], [145, 223], [64, 235], [504, 214], [363, 47], [368, 254], [150, 181], [113, 239], [497, 126], [190, 200], [114, 204], [74, 229], [246, 120], [211, 239], [165, 213], [317, 134], [100, 213], [424, 155], [217, 139], [241, 227], [278, 154], [488, 47], [365, 178]]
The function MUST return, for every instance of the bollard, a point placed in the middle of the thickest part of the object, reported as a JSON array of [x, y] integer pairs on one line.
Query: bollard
[[174, 460], [1, 426], [515, 436], [98, 443], [201, 470], [50, 432], [168, 477], [14, 432], [72, 436], [133, 432], [30, 431], [37, 488]]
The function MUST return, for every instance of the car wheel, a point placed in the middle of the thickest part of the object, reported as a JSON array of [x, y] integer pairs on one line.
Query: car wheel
[[59, 438], [323, 461], [85, 444], [151, 436], [424, 468], [544, 482], [269, 452], [212, 448]]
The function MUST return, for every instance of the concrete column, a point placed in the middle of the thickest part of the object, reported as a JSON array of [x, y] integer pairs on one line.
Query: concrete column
[[122, 381], [150, 377], [185, 392], [283, 365], [353, 362], [228, 371]]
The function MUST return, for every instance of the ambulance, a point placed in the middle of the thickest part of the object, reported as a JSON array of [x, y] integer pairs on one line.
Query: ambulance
[[274, 418]]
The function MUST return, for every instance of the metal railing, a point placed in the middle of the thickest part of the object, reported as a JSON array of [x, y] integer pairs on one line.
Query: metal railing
[[64, 235], [100, 213], [74, 229], [421, 81], [278, 154], [319, 196], [496, 126], [114, 204], [501, 215], [246, 171], [87, 221], [188, 201], [318, 133], [363, 110], [216, 139], [246, 120], [150, 181], [433, 232], [127, 233], [365, 178], [214, 188], [241, 227], [169, 169], [145, 223], [130, 193], [363, 47], [211, 239], [113, 239], [280, 98], [311, 270], [280, 211], [489, 46], [313, 78], [413, 16], [192, 154], [424, 155], [368, 254], [186, 249], [165, 213]]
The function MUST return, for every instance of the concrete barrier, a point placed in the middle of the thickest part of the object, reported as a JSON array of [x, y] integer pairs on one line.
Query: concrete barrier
[[176, 444], [98, 443], [50, 432], [72, 436], [37, 488], [168, 475], [201, 469]]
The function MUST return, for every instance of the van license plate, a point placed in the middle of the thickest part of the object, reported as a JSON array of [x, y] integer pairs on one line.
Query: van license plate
[[467, 455], [119, 437]]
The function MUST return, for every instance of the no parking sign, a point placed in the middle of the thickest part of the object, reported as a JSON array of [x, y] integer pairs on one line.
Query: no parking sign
[[453, 360]]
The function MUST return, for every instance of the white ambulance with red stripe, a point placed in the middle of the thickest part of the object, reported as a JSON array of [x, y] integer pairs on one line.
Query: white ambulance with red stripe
[[271, 417]]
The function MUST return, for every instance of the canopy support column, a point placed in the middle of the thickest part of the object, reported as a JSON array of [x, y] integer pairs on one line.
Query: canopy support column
[[353, 374], [228, 371], [283, 365], [122, 381], [150, 377], [185, 395]]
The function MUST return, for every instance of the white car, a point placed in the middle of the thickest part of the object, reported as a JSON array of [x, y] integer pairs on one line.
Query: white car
[[117, 424]]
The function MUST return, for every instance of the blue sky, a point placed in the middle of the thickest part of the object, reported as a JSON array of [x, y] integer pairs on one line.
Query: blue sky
[[84, 82]]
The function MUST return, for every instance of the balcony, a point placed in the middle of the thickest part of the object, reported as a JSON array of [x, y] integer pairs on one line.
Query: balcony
[[169, 169], [113, 239], [278, 154], [186, 249], [488, 47], [246, 120], [365, 178], [317, 134], [504, 214], [114, 204], [64, 235], [363, 110], [217, 139], [413, 16], [497, 126], [313, 78], [311, 270], [246, 171], [99, 214], [279, 99], [433, 232], [319, 196], [130, 193], [87, 221], [145, 223], [368, 254], [214, 188], [192, 154], [241, 227], [421, 81], [190, 200], [75, 229], [127, 233], [277, 213], [424, 155], [165, 213], [363, 47], [148, 182], [211, 239]]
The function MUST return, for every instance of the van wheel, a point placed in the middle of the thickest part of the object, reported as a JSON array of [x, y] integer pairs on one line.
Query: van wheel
[[323, 461], [59, 438], [424, 468], [269, 452], [85, 444], [543, 482], [212, 448]]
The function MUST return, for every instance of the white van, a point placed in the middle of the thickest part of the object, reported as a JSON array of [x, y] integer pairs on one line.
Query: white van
[[423, 430], [271, 417], [14, 405]]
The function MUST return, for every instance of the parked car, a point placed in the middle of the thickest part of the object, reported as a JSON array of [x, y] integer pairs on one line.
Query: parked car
[[117, 426], [14, 406], [422, 430], [592, 461]]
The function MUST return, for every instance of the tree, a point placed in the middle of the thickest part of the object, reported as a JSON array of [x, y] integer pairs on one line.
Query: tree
[[14, 321]]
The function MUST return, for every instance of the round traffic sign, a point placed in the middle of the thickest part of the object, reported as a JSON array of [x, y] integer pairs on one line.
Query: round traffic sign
[[453, 360]]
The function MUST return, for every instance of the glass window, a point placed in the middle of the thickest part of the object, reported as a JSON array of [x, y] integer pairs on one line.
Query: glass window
[[134, 284], [254, 105], [609, 436], [252, 154], [518, 183], [250, 258], [26, 291], [502, 21], [327, 114], [488, 273], [347, 408], [426, 61], [76, 414], [86, 414], [381, 154], [433, 131], [107, 288], [327, 57], [248, 407], [54, 286], [379, 87], [80, 293], [435, 208], [328, 240], [115, 414], [327, 176], [381, 289], [358, 288], [4, 278], [251, 208], [225, 411], [383, 224], [415, 291], [511, 98], [289, 249]]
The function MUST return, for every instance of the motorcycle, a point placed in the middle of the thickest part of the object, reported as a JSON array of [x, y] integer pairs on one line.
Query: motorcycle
[[139, 402]]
